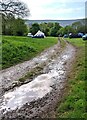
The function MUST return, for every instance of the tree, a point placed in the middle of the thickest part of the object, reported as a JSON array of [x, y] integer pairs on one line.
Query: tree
[[13, 26], [20, 28], [50, 24], [7, 24], [55, 29], [44, 28], [12, 11], [61, 31], [34, 28], [14, 7], [80, 26]]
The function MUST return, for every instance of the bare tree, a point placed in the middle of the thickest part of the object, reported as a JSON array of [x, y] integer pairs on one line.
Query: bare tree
[[15, 7]]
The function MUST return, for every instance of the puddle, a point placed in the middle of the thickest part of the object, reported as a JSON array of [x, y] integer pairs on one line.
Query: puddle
[[37, 88]]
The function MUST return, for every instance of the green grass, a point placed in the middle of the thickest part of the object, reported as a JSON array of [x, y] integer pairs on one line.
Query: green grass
[[18, 49], [74, 102]]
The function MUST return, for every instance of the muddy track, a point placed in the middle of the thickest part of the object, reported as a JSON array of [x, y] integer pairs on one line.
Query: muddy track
[[10, 76], [39, 97]]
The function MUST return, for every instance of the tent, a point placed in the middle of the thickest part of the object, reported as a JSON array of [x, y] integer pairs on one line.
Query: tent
[[39, 34]]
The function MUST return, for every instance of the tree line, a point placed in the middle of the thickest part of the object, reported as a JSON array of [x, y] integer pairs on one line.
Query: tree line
[[50, 29], [17, 26], [76, 27], [54, 29]]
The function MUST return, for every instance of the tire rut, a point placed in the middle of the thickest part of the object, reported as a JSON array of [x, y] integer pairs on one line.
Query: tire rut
[[48, 93], [9, 77]]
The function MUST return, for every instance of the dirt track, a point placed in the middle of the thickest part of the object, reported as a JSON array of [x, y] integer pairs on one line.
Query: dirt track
[[9, 77], [39, 97]]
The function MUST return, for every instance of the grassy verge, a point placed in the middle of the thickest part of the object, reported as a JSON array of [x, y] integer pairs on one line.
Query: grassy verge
[[18, 49], [74, 102]]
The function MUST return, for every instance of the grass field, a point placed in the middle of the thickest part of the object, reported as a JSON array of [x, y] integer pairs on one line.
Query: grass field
[[74, 102], [18, 49]]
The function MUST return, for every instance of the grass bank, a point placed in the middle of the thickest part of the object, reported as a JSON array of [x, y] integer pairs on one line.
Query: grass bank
[[17, 49], [74, 102]]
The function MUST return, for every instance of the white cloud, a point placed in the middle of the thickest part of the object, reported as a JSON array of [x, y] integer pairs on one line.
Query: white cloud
[[44, 9]]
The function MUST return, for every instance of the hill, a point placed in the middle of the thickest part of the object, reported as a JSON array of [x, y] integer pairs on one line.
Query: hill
[[61, 22]]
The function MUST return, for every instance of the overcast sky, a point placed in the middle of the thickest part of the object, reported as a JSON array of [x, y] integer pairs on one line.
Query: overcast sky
[[56, 9]]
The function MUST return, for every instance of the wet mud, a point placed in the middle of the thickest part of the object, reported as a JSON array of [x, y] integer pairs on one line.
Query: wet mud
[[38, 98], [10, 76]]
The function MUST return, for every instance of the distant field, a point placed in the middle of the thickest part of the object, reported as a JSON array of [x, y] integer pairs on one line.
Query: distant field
[[17, 49], [74, 103]]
